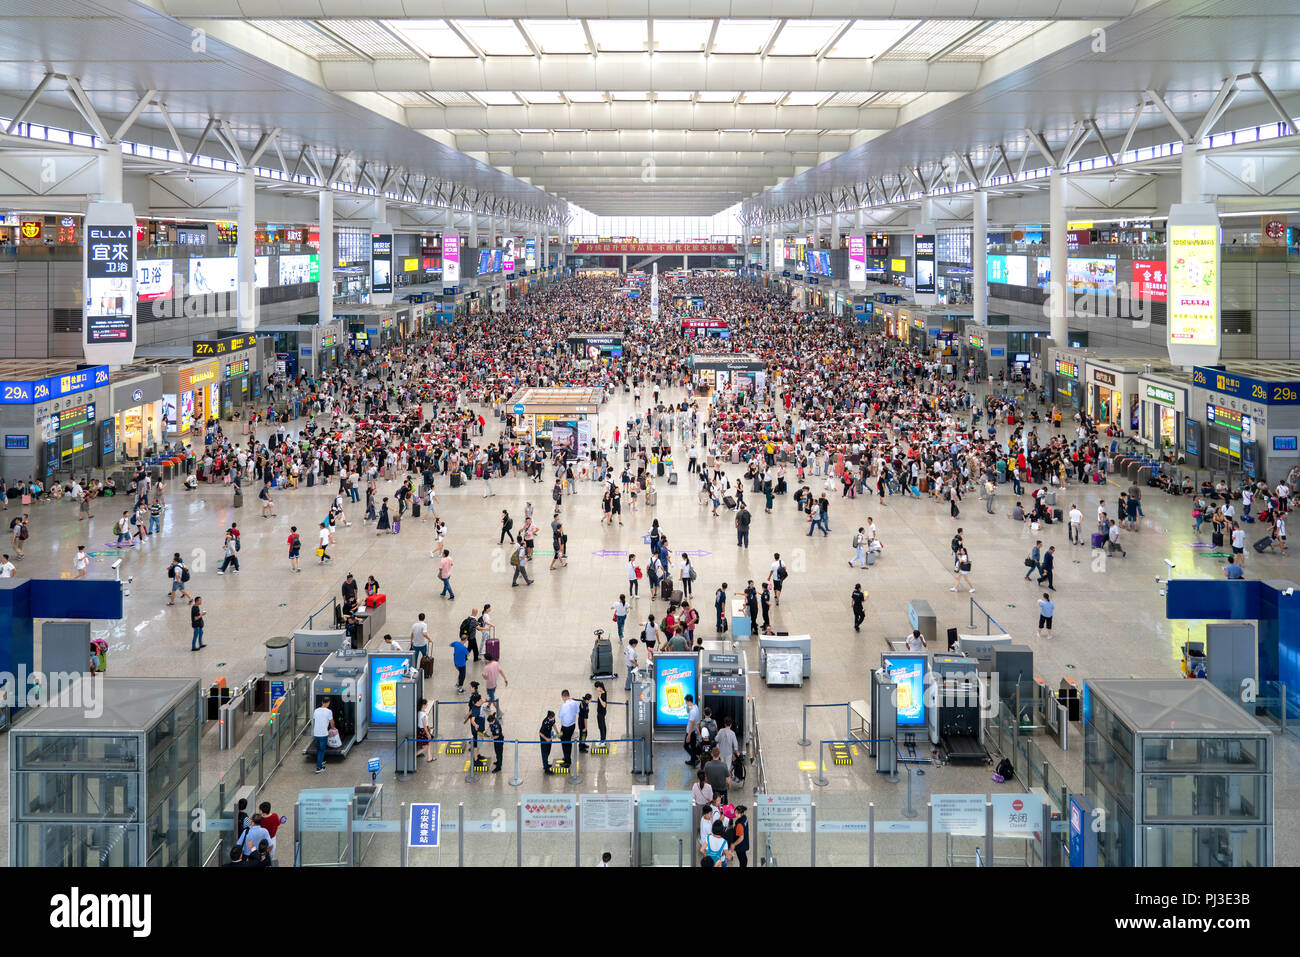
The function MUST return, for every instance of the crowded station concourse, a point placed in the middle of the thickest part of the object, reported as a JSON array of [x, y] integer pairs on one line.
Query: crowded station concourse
[[673, 473]]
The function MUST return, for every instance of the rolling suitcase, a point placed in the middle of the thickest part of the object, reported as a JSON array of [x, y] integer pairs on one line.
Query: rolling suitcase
[[666, 588], [652, 498], [415, 509], [1216, 539], [602, 658], [1098, 540], [239, 500], [871, 557], [311, 479], [672, 478], [728, 501], [397, 525], [757, 485], [492, 646], [1264, 543], [677, 597], [780, 487], [735, 455], [1057, 514], [456, 479], [1051, 498], [426, 666]]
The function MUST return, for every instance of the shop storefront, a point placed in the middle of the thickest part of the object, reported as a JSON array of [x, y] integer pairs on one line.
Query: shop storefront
[[729, 373], [1113, 394], [1063, 386], [1163, 410], [191, 395], [596, 345], [55, 422], [328, 347], [560, 419], [137, 415]]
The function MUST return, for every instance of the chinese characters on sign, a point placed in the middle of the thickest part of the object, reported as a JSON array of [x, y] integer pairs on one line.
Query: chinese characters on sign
[[613, 248]]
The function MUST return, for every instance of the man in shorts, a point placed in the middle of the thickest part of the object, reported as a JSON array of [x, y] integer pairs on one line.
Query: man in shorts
[[1046, 609]]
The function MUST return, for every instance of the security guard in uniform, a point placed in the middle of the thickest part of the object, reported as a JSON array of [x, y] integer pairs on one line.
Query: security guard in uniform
[[498, 736], [547, 733]]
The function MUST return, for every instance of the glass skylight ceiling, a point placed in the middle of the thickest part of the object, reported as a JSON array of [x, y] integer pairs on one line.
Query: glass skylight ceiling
[[434, 37], [619, 36], [930, 38], [868, 39], [804, 37]]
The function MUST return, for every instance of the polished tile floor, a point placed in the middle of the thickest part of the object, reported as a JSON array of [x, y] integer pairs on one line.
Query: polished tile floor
[[1109, 620]]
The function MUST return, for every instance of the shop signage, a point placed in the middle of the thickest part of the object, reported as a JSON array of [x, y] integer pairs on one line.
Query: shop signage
[[1245, 387], [202, 375], [31, 229], [612, 248], [898, 265], [1105, 378], [1068, 369], [1163, 396], [138, 395], [410, 265], [220, 347], [1281, 443], [1150, 281]]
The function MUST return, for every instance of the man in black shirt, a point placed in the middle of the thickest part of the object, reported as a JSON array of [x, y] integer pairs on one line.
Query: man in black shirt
[[546, 732], [858, 598]]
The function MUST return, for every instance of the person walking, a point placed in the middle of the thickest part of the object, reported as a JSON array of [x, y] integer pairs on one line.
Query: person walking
[[419, 639], [687, 573], [294, 541], [720, 605], [80, 562], [1046, 609], [1076, 521], [197, 614], [691, 741], [859, 559], [858, 598], [179, 574], [228, 550], [963, 570], [519, 559], [777, 575], [496, 734], [423, 731], [620, 610], [459, 657], [444, 574], [1033, 563], [630, 660], [492, 674], [507, 524], [1047, 567], [633, 576]]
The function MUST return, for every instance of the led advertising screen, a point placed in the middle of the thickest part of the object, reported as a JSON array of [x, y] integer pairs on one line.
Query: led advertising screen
[[209, 275], [109, 289], [530, 255], [778, 254], [1150, 282], [1043, 268], [153, 279], [924, 264], [1017, 270], [295, 270], [675, 678], [908, 674], [857, 259], [381, 263], [484, 261], [451, 259], [1193, 289], [385, 672], [819, 262], [997, 270], [1091, 275]]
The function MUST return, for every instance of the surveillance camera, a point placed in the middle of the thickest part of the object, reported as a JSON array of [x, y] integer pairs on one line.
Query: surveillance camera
[[1288, 592], [1170, 564]]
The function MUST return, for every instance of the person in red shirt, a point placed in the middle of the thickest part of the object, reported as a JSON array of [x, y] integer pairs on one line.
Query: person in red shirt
[[271, 822]]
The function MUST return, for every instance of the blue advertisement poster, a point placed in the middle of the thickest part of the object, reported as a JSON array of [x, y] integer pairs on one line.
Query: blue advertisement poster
[[908, 673], [385, 672], [675, 678]]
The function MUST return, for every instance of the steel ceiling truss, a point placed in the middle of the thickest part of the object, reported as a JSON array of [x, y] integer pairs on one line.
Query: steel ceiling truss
[[960, 172], [345, 173]]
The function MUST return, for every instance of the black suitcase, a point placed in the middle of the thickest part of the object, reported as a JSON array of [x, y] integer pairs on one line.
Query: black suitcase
[[666, 588], [456, 479], [758, 484], [661, 468], [780, 487], [602, 659], [1057, 514], [728, 501], [311, 479], [1216, 539], [415, 509], [1264, 543]]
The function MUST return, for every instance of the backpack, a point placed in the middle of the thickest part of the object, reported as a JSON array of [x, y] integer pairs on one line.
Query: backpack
[[1006, 769], [185, 574], [782, 573], [691, 576], [514, 558], [708, 731], [738, 773]]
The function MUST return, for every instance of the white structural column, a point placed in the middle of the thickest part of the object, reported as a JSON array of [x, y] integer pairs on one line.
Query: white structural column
[[835, 230], [381, 209], [1056, 241], [492, 232], [980, 256], [473, 230], [110, 173], [1193, 175], [245, 246], [325, 288], [857, 218]]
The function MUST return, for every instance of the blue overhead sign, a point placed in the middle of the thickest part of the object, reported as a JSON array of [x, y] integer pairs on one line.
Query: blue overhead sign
[[1245, 387], [52, 387]]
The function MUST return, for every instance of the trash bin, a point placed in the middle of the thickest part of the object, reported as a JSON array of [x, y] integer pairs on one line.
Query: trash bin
[[277, 655]]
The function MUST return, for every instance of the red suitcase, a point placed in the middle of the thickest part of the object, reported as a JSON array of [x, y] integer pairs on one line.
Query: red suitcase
[[375, 600]]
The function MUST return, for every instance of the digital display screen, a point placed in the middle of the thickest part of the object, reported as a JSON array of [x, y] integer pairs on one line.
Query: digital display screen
[[924, 264], [153, 279], [236, 368], [1281, 443], [675, 678], [385, 672], [1091, 275], [451, 259], [908, 675], [212, 275], [295, 270], [381, 263], [1225, 418], [108, 329], [1193, 285], [24, 441]]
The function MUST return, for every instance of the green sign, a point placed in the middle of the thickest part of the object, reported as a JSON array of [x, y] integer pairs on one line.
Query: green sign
[[1163, 396], [313, 271]]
